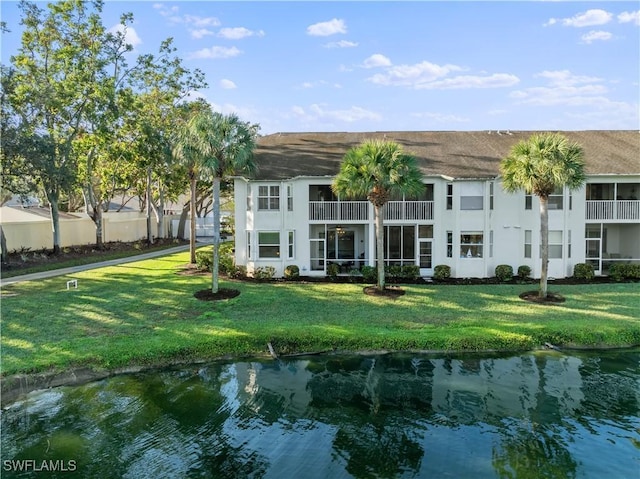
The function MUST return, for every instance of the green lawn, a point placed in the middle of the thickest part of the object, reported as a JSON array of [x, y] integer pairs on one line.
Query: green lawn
[[145, 313]]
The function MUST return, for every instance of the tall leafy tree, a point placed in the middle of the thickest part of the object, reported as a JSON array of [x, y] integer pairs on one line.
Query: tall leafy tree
[[378, 169], [223, 146], [539, 165], [55, 74], [74, 94]]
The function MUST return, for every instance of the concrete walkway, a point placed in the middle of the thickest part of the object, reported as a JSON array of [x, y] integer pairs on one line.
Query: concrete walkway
[[85, 267]]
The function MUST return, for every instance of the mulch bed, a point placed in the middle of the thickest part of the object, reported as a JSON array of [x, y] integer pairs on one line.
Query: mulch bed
[[222, 294], [391, 293], [534, 297]]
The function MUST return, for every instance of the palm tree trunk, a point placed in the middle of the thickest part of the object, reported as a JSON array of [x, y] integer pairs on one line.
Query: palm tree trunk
[[192, 223], [544, 244], [216, 234], [379, 218]]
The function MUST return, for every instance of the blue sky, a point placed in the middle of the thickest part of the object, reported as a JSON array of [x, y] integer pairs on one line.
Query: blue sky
[[371, 66]]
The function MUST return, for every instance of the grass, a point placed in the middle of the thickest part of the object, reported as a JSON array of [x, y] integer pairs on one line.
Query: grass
[[144, 313], [68, 260]]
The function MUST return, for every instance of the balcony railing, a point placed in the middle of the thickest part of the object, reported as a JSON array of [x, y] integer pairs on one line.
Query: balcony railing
[[359, 210], [338, 210], [612, 210], [409, 210]]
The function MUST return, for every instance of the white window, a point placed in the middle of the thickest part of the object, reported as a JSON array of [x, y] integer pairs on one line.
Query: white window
[[291, 250], [449, 244], [248, 244], [268, 197], [471, 244], [471, 196], [555, 244], [268, 244], [556, 200], [527, 243], [249, 198], [528, 201], [449, 196], [289, 198], [491, 196]]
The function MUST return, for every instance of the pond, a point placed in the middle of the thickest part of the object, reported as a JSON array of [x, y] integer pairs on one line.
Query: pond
[[541, 414]]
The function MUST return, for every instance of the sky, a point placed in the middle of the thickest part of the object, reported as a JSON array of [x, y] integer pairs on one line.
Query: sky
[[392, 66]]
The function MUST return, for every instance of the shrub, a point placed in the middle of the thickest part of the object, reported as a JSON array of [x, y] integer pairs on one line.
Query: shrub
[[264, 272], [292, 272], [226, 261], [333, 270], [369, 274], [442, 272], [204, 260], [410, 272], [504, 273], [393, 273], [583, 271], [354, 275], [524, 271], [239, 272], [226, 264], [620, 271]]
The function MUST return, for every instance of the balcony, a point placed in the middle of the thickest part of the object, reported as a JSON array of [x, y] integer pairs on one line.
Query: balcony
[[338, 210], [358, 211], [408, 210], [618, 210]]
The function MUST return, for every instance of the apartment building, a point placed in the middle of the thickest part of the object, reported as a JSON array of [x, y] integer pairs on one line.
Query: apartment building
[[287, 214]]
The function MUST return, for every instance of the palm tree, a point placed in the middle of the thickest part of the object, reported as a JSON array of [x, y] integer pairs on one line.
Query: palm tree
[[540, 165], [378, 169], [224, 146], [187, 154]]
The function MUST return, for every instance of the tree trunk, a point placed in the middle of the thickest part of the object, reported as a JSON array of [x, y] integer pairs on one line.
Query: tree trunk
[[192, 222], [182, 221], [544, 244], [379, 220], [55, 223], [148, 206], [216, 234], [3, 246], [96, 216]]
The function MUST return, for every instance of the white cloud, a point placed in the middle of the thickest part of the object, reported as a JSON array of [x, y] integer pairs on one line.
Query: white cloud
[[201, 33], [594, 35], [200, 22], [586, 19], [376, 60], [238, 33], [633, 17], [319, 112], [130, 34], [413, 75], [497, 80], [564, 88], [198, 26], [227, 84], [566, 78], [341, 44], [214, 52], [324, 29]]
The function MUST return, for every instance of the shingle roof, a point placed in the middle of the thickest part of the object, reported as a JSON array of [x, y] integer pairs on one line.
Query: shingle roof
[[455, 154]]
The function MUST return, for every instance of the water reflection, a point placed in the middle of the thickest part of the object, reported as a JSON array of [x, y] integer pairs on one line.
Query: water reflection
[[534, 415]]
